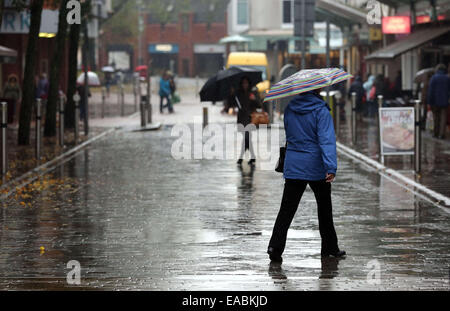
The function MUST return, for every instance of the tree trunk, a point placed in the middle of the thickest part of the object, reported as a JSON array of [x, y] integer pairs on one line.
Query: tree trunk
[[74, 41], [55, 72], [28, 86], [2, 3]]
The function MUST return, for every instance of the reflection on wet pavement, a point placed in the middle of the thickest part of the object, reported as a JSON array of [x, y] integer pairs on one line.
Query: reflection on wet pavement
[[137, 219]]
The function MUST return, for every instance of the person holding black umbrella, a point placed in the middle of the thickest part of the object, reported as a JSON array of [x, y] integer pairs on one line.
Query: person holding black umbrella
[[247, 103]]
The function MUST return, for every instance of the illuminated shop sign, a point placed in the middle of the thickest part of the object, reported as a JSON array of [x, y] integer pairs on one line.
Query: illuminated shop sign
[[396, 25]]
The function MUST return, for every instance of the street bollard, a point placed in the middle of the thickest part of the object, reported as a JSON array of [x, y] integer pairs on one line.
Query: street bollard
[[271, 112], [61, 121], [380, 105], [118, 99], [38, 128], [205, 116], [417, 137], [338, 118], [380, 101], [103, 102], [4, 125], [149, 111], [143, 113], [76, 99], [135, 95], [354, 118], [196, 86], [122, 101]]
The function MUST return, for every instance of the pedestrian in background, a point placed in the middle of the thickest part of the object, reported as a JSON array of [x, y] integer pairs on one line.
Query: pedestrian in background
[[357, 87], [438, 97], [81, 92], [42, 87], [310, 159], [12, 94], [164, 93], [247, 102]]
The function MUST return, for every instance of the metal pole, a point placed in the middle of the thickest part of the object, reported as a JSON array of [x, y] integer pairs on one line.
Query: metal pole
[[4, 125], [149, 94], [417, 136], [38, 128], [61, 121], [303, 34], [354, 118], [86, 80], [205, 116], [338, 118], [119, 106], [76, 99], [135, 95], [380, 150], [143, 117], [122, 101], [328, 55], [380, 101], [103, 102], [271, 111], [196, 86]]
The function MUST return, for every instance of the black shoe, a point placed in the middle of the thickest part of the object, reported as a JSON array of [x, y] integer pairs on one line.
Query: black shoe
[[273, 256], [337, 254], [239, 162], [252, 162]]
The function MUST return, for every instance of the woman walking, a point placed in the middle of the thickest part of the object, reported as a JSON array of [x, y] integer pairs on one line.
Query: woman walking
[[164, 93], [310, 159], [247, 103]]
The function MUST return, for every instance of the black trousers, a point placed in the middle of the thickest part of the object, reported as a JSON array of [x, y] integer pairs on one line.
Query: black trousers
[[292, 194]]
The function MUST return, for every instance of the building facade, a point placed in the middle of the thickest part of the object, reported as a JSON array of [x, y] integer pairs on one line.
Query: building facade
[[188, 44]]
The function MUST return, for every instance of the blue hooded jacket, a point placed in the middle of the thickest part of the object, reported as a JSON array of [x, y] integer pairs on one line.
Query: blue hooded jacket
[[164, 87], [311, 141]]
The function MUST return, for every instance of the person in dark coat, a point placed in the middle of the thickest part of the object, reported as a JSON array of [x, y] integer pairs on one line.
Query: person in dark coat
[[310, 159], [438, 98], [247, 102], [357, 87]]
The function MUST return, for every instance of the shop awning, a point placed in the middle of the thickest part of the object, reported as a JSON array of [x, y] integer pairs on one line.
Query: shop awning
[[7, 55], [412, 41]]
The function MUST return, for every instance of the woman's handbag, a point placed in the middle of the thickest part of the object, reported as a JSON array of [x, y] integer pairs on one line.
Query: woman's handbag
[[260, 118], [280, 164]]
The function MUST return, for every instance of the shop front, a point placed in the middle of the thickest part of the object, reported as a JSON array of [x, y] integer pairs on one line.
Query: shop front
[[208, 59], [163, 57]]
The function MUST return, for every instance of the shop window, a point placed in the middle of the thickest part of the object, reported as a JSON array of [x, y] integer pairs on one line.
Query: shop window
[[288, 12], [242, 12], [186, 67], [185, 23]]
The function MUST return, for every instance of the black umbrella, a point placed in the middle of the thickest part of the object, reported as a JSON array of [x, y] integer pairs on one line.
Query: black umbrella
[[219, 86]]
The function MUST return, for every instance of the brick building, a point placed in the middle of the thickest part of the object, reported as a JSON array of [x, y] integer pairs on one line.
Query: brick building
[[188, 43]]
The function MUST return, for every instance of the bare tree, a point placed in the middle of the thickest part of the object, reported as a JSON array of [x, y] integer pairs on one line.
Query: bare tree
[[55, 71], [28, 80]]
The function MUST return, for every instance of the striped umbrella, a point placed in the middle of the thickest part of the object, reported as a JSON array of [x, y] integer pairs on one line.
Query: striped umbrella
[[306, 80]]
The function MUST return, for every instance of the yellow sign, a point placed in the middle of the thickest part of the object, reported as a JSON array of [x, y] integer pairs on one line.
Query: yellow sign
[[164, 47], [375, 34]]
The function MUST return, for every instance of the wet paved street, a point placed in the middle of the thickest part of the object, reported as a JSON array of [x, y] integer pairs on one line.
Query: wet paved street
[[136, 219]]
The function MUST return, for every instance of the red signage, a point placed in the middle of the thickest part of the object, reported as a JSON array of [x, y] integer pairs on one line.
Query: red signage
[[422, 19], [396, 25]]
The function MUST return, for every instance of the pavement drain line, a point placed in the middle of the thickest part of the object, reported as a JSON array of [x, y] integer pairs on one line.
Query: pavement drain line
[[52, 164], [442, 201]]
